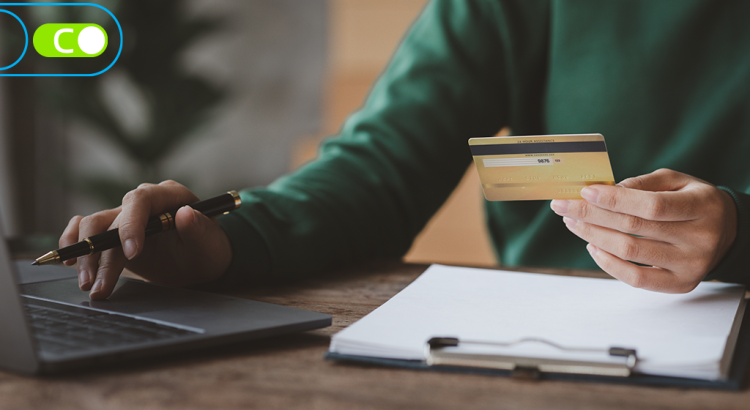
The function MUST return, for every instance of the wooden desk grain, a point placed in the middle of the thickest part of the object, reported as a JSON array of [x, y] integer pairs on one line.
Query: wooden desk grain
[[289, 372]]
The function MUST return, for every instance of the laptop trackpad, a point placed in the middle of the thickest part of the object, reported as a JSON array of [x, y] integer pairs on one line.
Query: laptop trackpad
[[187, 307]]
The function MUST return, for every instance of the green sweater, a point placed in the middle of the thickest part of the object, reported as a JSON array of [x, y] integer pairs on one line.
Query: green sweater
[[666, 82]]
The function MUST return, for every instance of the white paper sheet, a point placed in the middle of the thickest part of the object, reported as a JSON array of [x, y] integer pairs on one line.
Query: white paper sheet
[[675, 335]]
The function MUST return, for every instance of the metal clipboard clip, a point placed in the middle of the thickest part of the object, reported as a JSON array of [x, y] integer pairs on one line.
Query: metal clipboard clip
[[438, 352]]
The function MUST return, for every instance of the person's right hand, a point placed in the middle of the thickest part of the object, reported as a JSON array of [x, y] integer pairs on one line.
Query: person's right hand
[[196, 251]]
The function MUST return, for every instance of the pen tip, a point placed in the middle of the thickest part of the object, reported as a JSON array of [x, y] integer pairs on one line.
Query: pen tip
[[34, 263]]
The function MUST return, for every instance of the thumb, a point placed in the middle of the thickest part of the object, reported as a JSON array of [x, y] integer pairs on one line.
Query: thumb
[[203, 243], [657, 181], [197, 232]]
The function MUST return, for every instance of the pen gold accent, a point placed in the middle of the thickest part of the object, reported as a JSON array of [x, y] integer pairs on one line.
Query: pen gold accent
[[91, 245], [237, 199], [165, 219], [48, 259]]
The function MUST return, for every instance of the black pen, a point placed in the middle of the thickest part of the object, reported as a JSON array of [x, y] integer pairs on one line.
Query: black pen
[[107, 240]]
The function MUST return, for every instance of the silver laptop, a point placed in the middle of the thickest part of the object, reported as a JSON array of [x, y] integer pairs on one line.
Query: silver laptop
[[49, 325]]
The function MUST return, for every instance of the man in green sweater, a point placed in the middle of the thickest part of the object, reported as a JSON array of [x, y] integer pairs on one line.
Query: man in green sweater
[[666, 82]]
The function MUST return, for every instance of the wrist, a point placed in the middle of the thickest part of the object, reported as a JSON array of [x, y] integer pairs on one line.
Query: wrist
[[732, 268], [729, 231]]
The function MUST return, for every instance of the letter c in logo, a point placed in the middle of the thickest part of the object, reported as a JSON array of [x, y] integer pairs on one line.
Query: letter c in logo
[[57, 40]]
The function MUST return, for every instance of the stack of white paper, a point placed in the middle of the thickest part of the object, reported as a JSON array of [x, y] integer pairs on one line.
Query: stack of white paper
[[688, 335]]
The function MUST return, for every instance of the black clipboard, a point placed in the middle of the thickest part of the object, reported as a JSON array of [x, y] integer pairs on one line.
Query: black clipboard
[[736, 380]]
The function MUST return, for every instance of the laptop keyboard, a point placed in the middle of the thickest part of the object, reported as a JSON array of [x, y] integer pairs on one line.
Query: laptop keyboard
[[64, 329]]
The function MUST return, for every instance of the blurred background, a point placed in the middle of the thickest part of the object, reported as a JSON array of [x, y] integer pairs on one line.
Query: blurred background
[[215, 94]]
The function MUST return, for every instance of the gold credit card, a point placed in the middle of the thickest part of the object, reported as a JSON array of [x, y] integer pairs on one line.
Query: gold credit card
[[540, 166]]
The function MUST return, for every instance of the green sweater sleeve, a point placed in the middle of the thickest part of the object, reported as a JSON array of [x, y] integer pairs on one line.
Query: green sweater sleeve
[[735, 265], [373, 187]]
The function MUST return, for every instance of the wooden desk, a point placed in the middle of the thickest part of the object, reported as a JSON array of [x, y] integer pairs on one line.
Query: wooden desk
[[289, 372]]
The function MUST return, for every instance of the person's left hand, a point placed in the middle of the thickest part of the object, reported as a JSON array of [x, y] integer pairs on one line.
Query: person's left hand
[[685, 226]]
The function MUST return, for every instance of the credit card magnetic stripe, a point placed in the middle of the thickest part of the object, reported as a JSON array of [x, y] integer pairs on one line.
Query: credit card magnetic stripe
[[539, 148]]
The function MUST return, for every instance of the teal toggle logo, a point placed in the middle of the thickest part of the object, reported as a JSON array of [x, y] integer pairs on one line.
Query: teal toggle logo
[[70, 40]]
